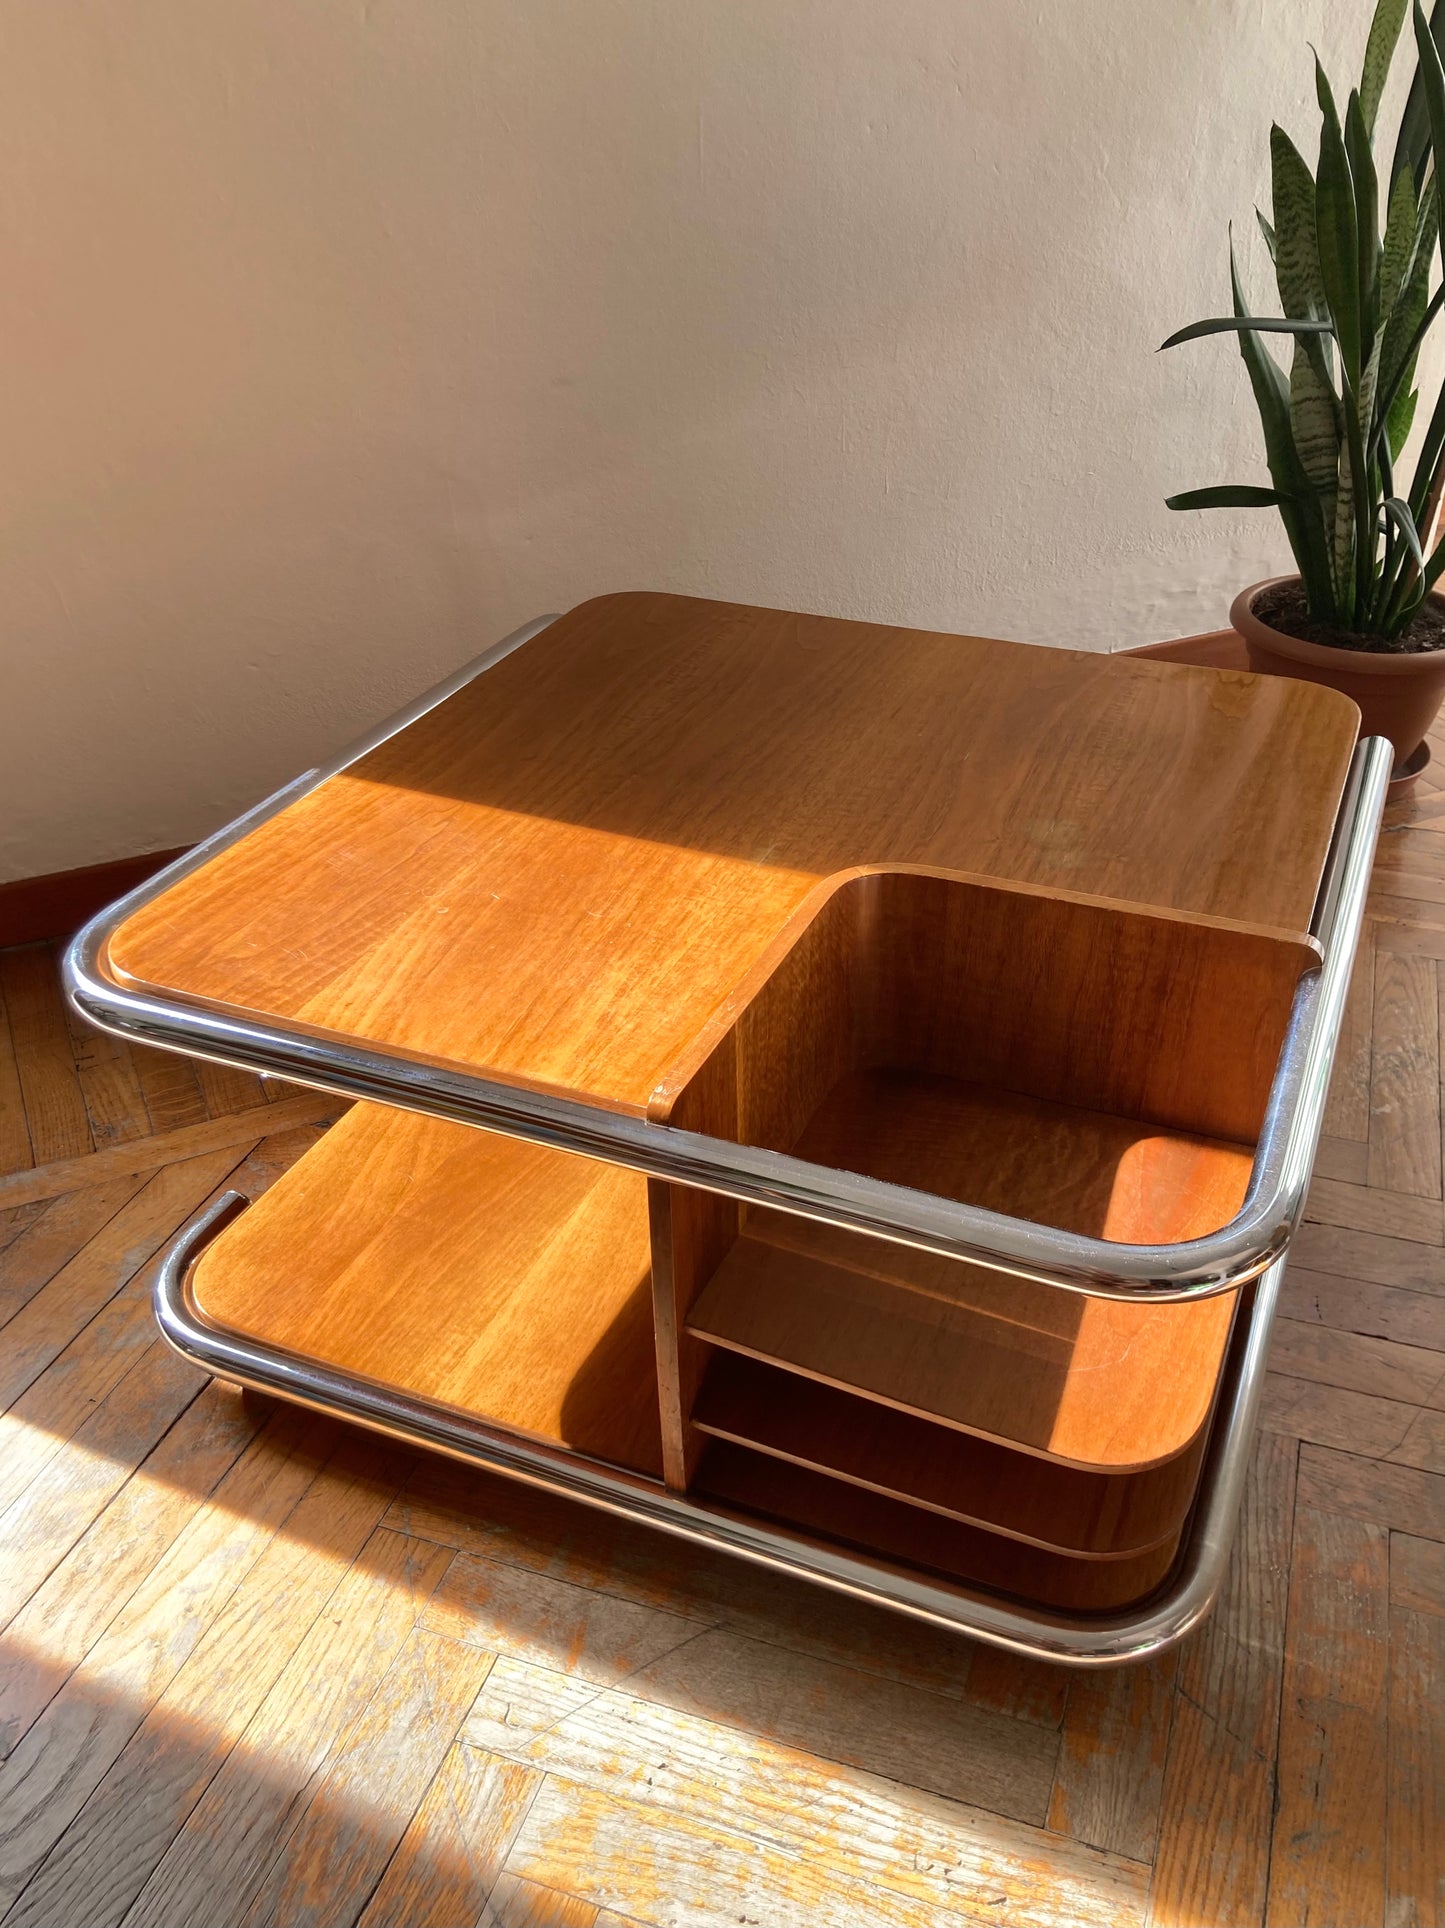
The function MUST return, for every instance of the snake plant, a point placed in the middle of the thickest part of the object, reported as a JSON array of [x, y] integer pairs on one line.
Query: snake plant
[[1358, 305]]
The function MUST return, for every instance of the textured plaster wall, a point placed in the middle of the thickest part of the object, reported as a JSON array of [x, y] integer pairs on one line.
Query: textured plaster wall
[[337, 337]]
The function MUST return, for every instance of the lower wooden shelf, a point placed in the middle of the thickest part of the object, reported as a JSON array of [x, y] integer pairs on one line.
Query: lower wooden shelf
[[1094, 1383], [513, 1282], [799, 1496], [1085, 1515], [497, 1276]]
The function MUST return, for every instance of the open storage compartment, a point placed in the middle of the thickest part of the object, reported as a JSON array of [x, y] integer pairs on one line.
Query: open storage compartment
[[1067, 1060]]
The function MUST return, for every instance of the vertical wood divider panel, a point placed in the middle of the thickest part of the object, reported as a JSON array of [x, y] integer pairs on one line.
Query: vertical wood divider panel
[[770, 1058], [692, 1232]]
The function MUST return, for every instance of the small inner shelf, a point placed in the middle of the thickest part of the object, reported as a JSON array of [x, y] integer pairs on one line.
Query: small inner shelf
[[1095, 1383], [1128, 1388], [492, 1275], [799, 1496], [1086, 1515]]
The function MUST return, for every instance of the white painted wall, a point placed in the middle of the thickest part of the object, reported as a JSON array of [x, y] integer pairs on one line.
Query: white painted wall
[[339, 336]]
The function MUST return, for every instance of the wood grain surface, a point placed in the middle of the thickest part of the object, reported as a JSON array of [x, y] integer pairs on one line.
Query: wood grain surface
[[560, 873], [798, 1495], [477, 1270], [1117, 1392], [872, 1445], [780, 1754], [536, 841], [1153, 1017]]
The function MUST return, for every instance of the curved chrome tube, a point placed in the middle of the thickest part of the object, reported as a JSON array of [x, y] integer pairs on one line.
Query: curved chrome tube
[[1193, 1268], [1081, 1640]]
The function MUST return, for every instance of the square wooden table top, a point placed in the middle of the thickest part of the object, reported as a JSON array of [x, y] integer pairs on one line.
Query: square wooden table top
[[558, 875]]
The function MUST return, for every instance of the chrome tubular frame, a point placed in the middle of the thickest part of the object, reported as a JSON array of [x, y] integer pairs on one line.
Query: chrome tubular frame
[[1190, 1269], [1080, 1640], [1246, 1253]]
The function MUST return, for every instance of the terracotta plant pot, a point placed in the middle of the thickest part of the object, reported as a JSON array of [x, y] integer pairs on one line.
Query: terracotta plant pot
[[1398, 695]]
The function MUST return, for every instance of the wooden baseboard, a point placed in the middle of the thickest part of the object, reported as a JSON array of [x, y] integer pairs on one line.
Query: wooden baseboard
[[36, 909]]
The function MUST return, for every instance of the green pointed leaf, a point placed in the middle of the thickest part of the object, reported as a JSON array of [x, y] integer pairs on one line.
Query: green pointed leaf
[[1367, 214], [1399, 421], [1299, 514], [1268, 232], [1432, 446], [1412, 316], [1297, 256], [1228, 495], [1314, 422], [1246, 325], [1398, 512], [1402, 329], [1365, 398], [1358, 413], [1412, 145], [1427, 230], [1400, 225], [1337, 233], [1343, 541], [1296, 252], [1401, 332], [1379, 52], [1432, 77]]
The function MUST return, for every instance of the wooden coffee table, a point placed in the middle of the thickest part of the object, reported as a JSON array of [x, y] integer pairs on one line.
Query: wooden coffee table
[[835, 1092]]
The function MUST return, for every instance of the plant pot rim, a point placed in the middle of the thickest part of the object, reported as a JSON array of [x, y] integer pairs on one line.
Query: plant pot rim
[[1349, 662]]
